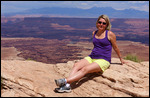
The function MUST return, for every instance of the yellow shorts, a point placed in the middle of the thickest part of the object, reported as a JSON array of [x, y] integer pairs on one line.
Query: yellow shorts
[[101, 62]]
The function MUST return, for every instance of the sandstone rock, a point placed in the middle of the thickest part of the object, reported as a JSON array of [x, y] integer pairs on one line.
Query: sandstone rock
[[36, 79]]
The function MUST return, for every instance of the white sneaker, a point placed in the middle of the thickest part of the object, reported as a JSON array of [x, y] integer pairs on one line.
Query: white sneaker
[[63, 89]]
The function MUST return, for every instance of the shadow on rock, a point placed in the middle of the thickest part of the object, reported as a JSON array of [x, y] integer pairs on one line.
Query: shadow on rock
[[86, 78]]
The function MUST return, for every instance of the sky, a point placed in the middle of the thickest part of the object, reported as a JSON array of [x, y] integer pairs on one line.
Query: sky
[[17, 6]]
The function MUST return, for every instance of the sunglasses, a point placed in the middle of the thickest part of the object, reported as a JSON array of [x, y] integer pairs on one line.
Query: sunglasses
[[104, 23]]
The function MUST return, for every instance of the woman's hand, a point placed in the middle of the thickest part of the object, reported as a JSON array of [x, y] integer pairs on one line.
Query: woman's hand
[[122, 61]]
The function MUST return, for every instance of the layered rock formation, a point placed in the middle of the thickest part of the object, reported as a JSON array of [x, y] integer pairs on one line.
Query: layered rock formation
[[29, 78], [54, 51]]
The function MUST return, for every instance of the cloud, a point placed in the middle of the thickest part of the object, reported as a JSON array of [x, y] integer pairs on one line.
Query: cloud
[[139, 5], [141, 8], [84, 4], [136, 1], [10, 8], [14, 6]]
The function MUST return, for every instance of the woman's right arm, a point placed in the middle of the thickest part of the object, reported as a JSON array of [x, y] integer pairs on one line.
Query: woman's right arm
[[93, 34]]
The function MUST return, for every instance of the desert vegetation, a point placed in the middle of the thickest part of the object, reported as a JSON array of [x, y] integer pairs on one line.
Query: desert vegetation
[[132, 58]]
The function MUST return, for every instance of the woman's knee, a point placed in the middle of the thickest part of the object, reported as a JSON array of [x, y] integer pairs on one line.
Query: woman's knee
[[84, 70], [80, 64], [75, 65]]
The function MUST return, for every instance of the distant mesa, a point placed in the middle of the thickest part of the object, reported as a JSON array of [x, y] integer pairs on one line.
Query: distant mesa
[[83, 13]]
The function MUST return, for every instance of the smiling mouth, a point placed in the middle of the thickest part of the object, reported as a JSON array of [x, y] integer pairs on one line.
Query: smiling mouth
[[100, 26]]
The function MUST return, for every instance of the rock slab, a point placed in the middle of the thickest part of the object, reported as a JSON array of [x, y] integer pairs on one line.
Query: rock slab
[[35, 79]]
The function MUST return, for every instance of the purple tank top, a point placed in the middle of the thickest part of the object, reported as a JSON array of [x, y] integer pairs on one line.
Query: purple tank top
[[102, 48]]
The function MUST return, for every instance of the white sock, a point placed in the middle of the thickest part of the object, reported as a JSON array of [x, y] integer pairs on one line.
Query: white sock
[[65, 81], [67, 84]]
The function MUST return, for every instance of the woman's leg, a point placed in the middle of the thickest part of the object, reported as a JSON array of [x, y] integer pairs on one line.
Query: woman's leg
[[77, 66], [93, 67]]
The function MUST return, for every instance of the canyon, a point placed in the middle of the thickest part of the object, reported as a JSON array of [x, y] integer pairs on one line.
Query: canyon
[[54, 51], [35, 51], [74, 29]]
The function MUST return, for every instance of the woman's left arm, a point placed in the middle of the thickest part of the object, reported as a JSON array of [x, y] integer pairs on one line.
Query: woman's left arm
[[112, 38]]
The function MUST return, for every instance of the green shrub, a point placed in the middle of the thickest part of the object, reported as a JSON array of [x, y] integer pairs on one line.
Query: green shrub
[[132, 58], [30, 59]]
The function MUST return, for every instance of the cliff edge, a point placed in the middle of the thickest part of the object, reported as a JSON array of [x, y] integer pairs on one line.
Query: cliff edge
[[35, 79]]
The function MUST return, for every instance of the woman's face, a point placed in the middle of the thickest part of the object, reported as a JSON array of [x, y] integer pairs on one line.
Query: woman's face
[[101, 25]]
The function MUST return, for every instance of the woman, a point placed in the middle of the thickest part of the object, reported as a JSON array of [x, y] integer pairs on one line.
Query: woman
[[99, 59]]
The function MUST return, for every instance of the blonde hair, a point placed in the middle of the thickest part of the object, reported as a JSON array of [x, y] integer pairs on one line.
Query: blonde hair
[[106, 18]]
